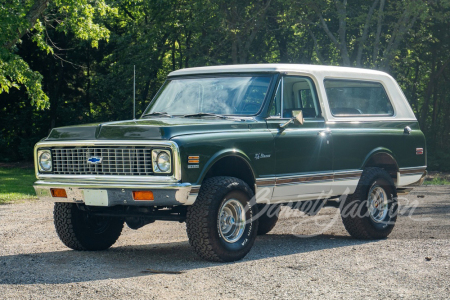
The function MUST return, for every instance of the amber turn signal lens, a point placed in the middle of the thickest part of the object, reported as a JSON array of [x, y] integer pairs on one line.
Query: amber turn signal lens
[[193, 159], [143, 195], [59, 193]]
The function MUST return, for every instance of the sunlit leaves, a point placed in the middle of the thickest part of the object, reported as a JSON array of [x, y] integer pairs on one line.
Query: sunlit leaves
[[14, 72], [79, 17]]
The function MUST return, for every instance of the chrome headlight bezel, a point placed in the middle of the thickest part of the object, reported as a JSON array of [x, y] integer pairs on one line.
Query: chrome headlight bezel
[[159, 167], [48, 155]]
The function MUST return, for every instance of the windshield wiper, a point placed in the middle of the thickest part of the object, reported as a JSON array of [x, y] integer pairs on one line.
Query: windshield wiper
[[157, 113], [201, 114]]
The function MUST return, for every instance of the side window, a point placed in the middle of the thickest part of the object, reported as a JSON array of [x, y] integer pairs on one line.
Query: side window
[[299, 94], [353, 98]]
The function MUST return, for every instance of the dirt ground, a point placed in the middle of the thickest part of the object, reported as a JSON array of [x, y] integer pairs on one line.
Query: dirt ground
[[303, 257]]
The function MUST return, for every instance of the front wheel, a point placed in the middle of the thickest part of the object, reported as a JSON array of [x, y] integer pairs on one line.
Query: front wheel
[[268, 217], [371, 212], [79, 230], [220, 224]]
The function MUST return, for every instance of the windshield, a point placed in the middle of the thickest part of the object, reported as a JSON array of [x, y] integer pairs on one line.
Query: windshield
[[218, 95]]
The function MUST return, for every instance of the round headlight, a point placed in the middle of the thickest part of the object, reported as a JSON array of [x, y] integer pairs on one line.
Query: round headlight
[[163, 162], [45, 161]]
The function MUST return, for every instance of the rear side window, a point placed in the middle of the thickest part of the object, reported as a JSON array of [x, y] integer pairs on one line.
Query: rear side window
[[356, 98]]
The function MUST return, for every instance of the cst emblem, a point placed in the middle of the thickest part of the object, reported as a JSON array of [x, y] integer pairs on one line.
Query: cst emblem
[[261, 155], [94, 160]]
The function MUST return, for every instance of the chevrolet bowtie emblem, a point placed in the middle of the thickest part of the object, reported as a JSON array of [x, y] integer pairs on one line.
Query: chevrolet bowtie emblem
[[94, 160]]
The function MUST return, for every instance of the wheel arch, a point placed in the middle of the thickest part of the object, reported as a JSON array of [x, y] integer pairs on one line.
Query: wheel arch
[[382, 158], [229, 162]]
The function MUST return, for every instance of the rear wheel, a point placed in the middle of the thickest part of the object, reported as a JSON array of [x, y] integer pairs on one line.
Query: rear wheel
[[79, 230], [371, 212], [220, 224]]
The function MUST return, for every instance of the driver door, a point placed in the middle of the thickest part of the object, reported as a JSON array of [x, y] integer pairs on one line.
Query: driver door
[[303, 152]]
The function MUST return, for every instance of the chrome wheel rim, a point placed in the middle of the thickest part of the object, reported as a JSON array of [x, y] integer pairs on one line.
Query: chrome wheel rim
[[378, 204], [231, 220]]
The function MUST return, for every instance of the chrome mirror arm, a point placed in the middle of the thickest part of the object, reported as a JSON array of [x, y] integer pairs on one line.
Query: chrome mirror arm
[[287, 123]]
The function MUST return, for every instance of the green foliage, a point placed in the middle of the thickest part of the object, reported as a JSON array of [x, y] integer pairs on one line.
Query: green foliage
[[14, 71], [16, 184], [75, 59], [438, 179], [79, 17], [19, 17], [439, 160]]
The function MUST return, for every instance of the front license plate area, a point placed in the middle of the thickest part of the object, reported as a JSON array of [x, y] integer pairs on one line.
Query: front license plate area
[[96, 197]]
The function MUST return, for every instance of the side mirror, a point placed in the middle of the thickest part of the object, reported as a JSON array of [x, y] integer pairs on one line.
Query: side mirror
[[297, 116]]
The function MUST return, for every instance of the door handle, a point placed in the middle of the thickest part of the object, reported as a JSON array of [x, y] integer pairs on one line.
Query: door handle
[[324, 132]]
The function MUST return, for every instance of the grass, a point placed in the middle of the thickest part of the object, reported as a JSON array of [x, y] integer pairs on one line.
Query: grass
[[437, 180], [16, 184]]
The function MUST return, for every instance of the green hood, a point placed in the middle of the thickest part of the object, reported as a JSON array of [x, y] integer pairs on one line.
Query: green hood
[[154, 129]]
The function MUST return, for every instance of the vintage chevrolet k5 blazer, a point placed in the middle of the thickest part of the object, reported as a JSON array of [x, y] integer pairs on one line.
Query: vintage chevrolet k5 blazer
[[222, 148]]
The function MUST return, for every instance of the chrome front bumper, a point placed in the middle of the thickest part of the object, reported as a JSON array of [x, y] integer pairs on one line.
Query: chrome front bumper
[[120, 193]]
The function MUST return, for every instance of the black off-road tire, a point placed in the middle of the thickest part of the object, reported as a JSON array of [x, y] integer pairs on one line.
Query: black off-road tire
[[355, 212], [202, 220], [80, 231], [268, 217]]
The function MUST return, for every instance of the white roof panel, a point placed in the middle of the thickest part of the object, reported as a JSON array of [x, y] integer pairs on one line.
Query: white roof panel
[[273, 68], [318, 73]]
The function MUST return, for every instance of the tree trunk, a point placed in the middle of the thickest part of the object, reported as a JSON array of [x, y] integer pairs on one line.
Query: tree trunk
[[88, 88], [33, 14], [376, 45], [188, 48], [342, 31], [365, 33]]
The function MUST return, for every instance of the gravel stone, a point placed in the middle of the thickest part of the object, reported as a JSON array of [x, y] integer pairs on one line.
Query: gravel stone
[[302, 257]]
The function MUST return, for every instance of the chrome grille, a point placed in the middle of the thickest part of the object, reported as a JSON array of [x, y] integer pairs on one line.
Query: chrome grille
[[120, 160]]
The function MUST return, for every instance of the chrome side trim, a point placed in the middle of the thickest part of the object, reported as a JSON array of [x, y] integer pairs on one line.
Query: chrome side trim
[[304, 178], [310, 186], [412, 170], [308, 178], [266, 182], [346, 175], [162, 179]]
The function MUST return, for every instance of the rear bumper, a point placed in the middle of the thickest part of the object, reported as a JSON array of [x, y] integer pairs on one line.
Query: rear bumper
[[166, 194]]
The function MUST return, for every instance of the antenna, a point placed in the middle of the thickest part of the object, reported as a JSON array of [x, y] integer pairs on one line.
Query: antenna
[[134, 92]]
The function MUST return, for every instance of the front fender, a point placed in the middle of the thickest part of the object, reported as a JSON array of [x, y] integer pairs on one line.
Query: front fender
[[221, 154]]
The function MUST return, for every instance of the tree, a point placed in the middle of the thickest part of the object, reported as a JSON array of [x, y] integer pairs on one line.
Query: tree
[[34, 17], [356, 30]]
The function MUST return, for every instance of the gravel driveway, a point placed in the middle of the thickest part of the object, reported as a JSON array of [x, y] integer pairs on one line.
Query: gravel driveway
[[156, 262]]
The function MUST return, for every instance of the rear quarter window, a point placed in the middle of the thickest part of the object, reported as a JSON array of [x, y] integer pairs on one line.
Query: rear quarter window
[[357, 98]]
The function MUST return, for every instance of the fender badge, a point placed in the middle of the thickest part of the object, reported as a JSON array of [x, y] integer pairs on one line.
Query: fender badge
[[262, 155], [419, 151]]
